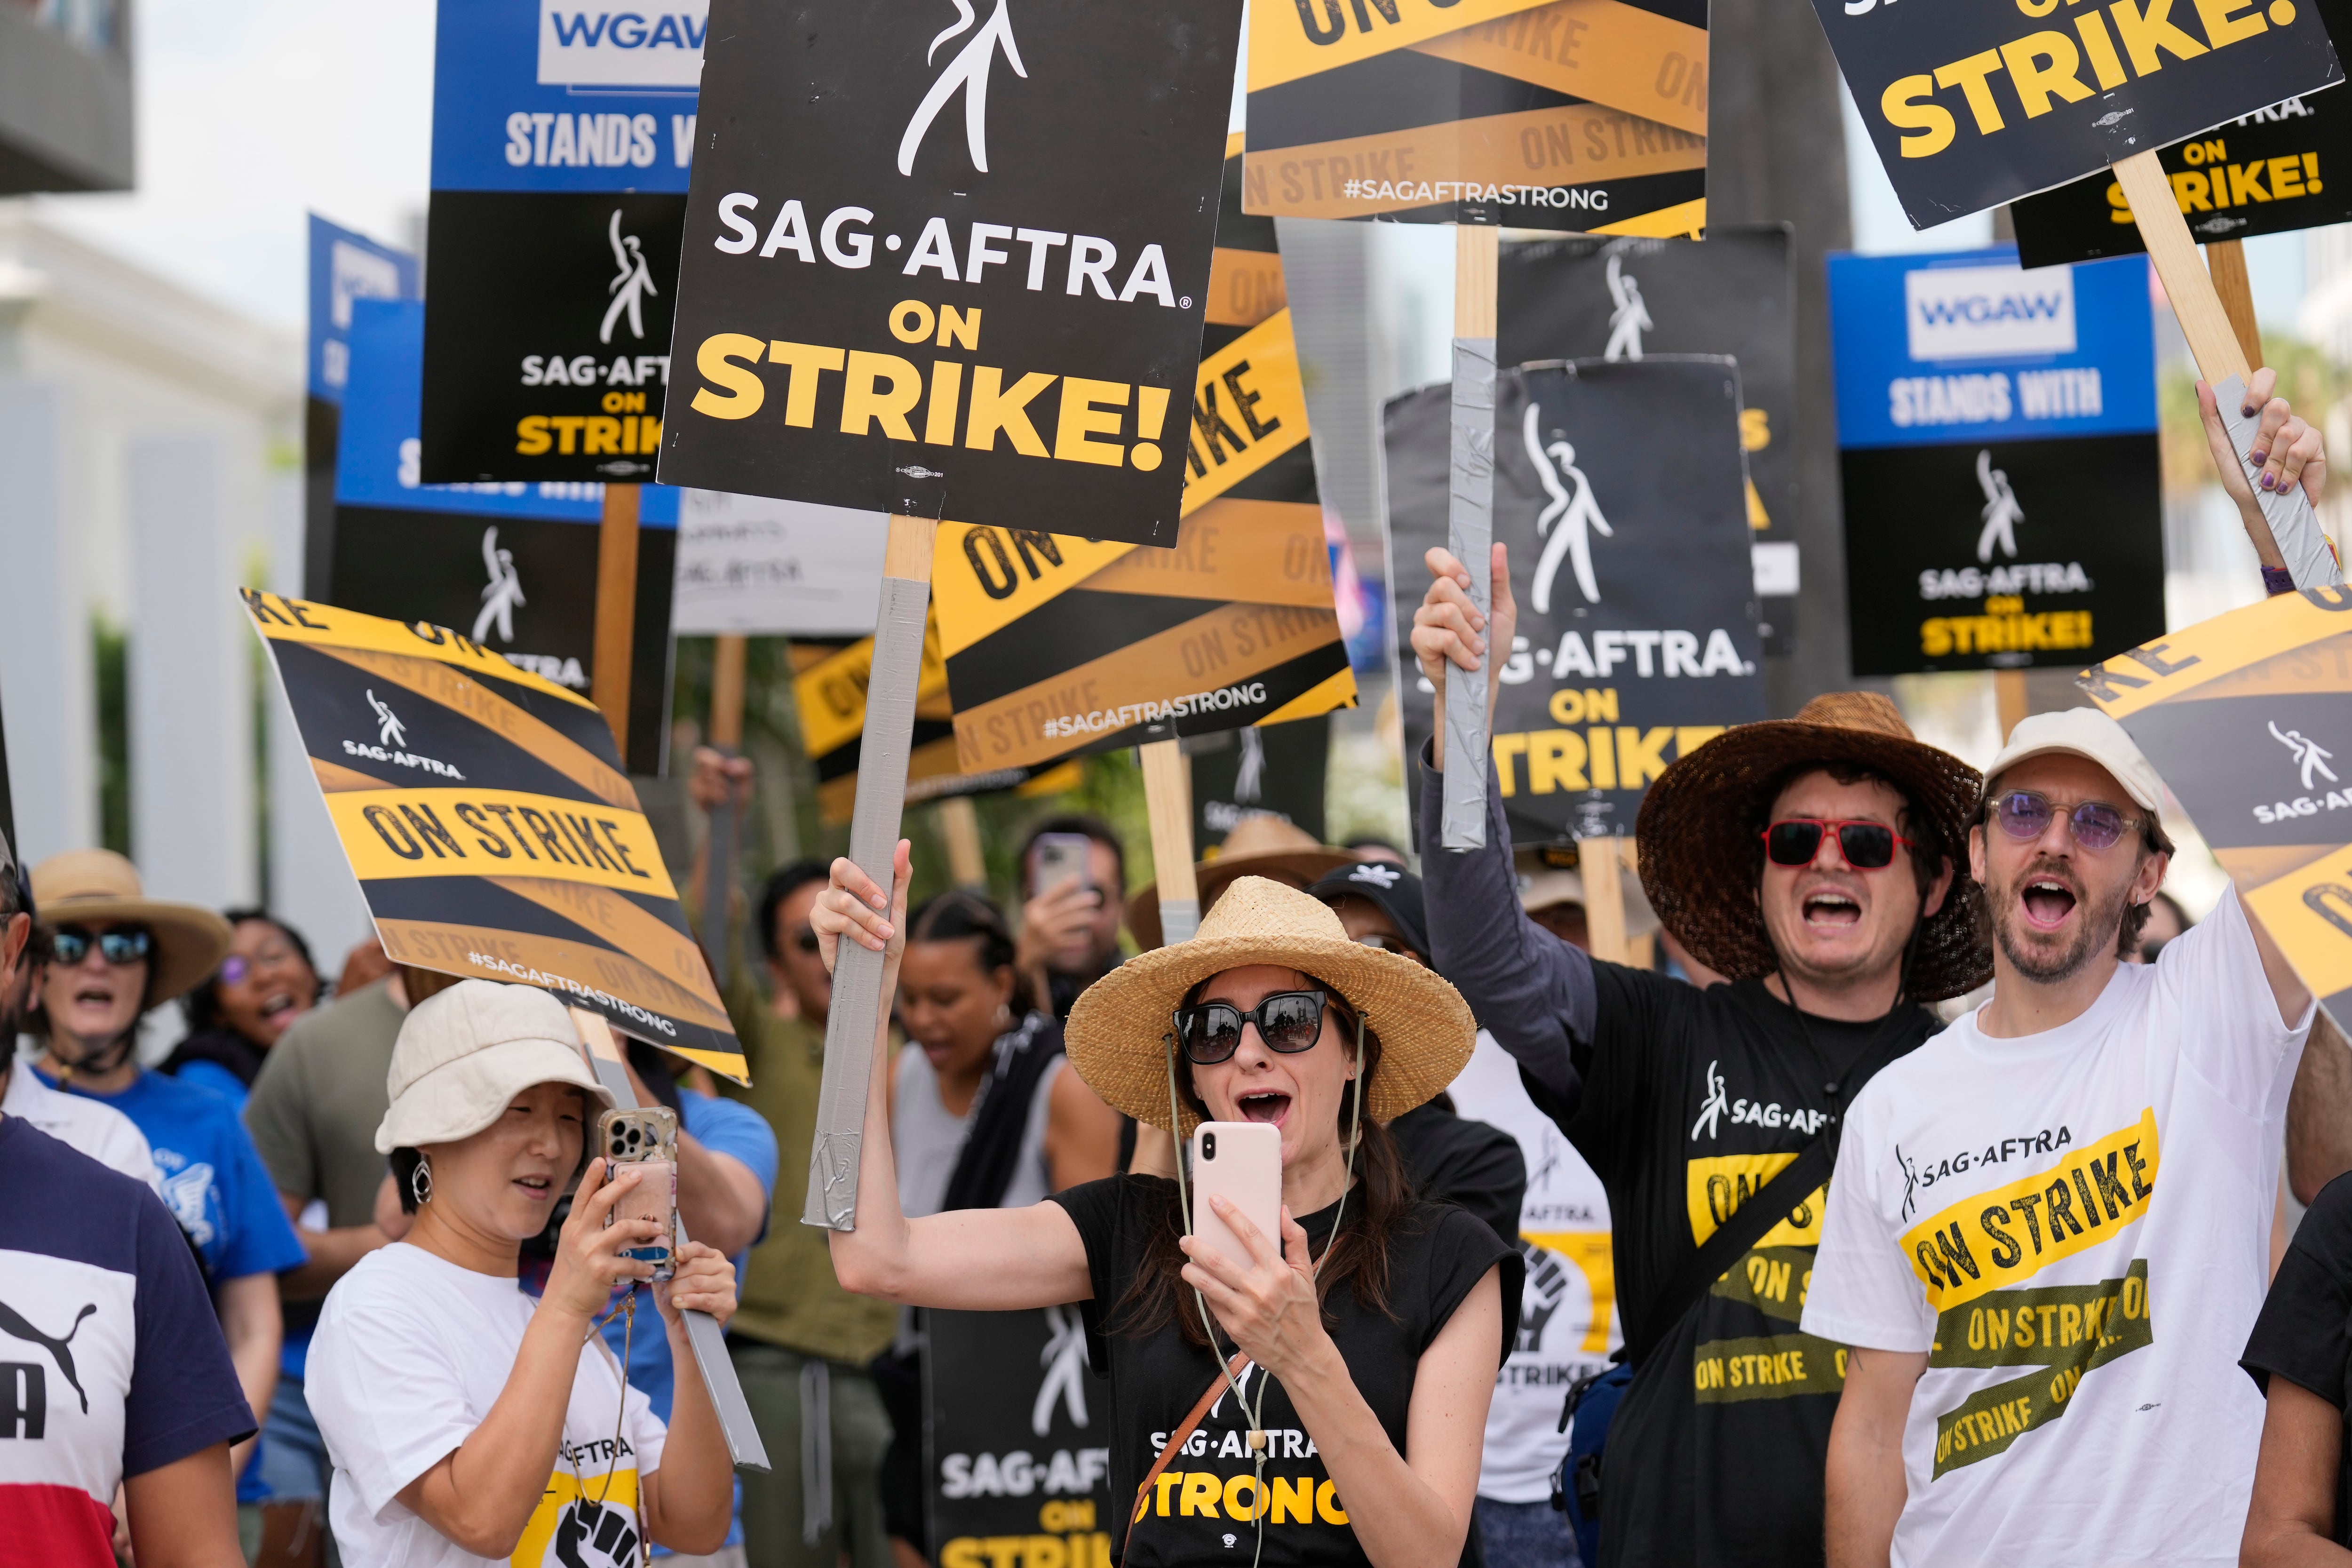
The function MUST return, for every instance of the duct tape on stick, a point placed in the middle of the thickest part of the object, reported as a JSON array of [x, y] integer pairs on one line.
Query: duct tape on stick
[[2294, 524], [1470, 529]]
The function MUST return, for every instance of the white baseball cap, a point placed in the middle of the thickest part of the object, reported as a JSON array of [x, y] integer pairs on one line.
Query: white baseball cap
[[465, 1053], [2084, 732]]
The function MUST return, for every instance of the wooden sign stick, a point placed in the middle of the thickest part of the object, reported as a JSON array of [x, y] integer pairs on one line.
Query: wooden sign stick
[[2225, 260], [1167, 802], [718, 844], [1603, 862], [616, 609], [606, 1059], [857, 1000], [1470, 526]]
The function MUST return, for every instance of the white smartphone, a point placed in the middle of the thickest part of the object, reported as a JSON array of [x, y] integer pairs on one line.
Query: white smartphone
[[1062, 858], [1240, 1161]]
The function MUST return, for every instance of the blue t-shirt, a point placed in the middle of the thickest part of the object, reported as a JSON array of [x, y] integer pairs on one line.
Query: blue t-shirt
[[116, 1363], [219, 1079]]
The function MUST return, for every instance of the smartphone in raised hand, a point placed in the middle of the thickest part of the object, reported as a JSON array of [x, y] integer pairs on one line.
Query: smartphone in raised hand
[[646, 1138], [1242, 1163]]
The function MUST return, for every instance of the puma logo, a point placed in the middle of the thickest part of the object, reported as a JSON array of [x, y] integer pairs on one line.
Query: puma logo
[[60, 1350]]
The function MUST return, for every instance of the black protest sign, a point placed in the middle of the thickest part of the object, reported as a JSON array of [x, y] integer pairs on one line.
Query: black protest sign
[[485, 814], [1017, 1440], [1267, 770], [1971, 106], [547, 339], [2268, 173], [952, 266], [2004, 553], [1637, 637]]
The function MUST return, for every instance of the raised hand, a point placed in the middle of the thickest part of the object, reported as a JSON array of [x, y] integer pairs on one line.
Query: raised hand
[[853, 904]]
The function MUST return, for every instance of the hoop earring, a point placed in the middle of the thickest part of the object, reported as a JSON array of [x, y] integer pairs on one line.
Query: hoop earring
[[420, 1183]]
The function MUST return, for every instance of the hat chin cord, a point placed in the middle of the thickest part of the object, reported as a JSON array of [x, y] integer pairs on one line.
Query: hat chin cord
[[1258, 1445], [96, 1063]]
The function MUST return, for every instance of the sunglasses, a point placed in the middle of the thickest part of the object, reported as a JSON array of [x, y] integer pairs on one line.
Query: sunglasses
[[2025, 815], [803, 938], [119, 947], [1385, 945], [1866, 846], [1287, 1021]]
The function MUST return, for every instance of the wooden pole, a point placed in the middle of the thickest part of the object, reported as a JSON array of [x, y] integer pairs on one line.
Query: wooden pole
[[720, 845], [960, 825], [2009, 700], [1470, 526], [1167, 802], [2225, 260], [858, 1002], [616, 609], [1601, 861], [726, 692]]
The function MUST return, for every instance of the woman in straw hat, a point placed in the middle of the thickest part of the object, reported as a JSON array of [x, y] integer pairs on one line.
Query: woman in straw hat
[[469, 1424], [1325, 1404]]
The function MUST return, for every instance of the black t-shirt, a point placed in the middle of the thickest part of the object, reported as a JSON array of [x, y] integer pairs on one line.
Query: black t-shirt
[[1435, 1258], [2304, 1332], [1452, 1159], [1692, 1099]]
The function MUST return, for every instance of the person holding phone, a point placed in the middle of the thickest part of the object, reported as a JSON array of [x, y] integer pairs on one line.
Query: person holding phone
[[1324, 1405], [469, 1422]]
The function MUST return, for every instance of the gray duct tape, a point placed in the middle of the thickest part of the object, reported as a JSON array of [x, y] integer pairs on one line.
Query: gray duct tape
[[719, 889], [857, 970], [2292, 522], [1470, 534], [702, 1330], [1180, 919]]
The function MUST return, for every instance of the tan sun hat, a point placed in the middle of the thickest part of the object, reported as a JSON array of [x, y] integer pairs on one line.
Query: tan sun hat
[[465, 1053], [92, 886], [1115, 1033], [1261, 845], [1543, 885]]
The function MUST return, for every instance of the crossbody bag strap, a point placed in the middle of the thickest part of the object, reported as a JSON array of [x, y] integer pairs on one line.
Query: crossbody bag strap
[[1184, 1433], [1747, 1225]]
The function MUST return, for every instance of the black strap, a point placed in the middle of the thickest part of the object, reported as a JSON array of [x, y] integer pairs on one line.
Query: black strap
[[1746, 1227]]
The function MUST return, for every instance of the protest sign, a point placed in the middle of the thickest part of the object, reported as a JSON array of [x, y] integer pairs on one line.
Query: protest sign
[[2248, 719], [562, 138], [755, 566], [345, 267], [1972, 106], [1998, 447], [1017, 1442], [1620, 298], [1023, 275], [514, 564], [1580, 114], [484, 810], [1637, 637], [2265, 173], [1055, 644], [1267, 770]]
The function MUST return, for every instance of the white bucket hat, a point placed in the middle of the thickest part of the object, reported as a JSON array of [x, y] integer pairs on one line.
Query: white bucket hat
[[465, 1053], [2084, 732]]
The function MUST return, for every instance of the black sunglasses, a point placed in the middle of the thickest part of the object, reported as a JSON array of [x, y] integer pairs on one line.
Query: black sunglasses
[[1866, 846], [1287, 1021], [118, 947], [2025, 815]]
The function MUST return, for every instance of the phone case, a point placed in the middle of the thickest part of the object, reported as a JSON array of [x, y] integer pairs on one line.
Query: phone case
[[1240, 1161], [1062, 858], [646, 1138]]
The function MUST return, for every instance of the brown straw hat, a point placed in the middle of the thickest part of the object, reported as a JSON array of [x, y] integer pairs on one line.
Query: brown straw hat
[[1700, 822], [1116, 1033], [89, 887], [1261, 845]]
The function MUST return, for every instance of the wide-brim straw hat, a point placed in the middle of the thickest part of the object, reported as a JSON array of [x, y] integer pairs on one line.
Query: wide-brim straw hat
[[1261, 845], [1699, 845], [99, 886], [1116, 1035]]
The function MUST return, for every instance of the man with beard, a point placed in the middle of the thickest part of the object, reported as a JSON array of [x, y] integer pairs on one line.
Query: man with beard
[[1811, 861], [2043, 1354]]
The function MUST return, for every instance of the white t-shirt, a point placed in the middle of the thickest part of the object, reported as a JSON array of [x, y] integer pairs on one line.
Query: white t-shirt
[[1996, 1204], [411, 1353], [1567, 1326], [78, 1121]]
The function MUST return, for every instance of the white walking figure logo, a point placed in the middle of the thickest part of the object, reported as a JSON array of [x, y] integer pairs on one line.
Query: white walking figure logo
[[969, 70], [504, 593], [1577, 514], [1065, 1361], [390, 732], [630, 285], [1630, 319], [2002, 514], [1710, 1115], [2308, 754]]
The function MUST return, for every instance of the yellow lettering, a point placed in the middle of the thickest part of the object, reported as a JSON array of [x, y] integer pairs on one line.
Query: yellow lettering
[[743, 389], [1909, 104]]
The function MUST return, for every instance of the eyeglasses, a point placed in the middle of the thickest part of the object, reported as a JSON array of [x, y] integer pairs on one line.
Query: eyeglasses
[[1287, 1021], [2025, 814], [119, 947], [803, 938], [1385, 945], [1866, 846]]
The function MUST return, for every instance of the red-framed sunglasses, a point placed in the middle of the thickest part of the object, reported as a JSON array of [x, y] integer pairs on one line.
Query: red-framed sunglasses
[[1866, 846]]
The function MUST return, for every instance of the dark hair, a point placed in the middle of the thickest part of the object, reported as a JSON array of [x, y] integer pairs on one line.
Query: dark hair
[[1358, 1257], [202, 1006], [404, 1162], [2153, 840], [1927, 848], [958, 916], [782, 883], [1094, 827]]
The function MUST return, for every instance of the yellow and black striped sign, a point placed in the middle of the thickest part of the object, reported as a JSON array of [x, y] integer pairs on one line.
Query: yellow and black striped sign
[[488, 818], [1586, 115], [2248, 717], [1057, 644]]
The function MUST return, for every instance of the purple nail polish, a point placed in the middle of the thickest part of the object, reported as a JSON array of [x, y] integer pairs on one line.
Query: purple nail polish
[[2258, 457], [2267, 483], [2249, 412]]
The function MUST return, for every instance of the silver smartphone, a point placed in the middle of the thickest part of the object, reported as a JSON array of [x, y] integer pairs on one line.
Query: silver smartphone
[[646, 1138], [1062, 858]]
